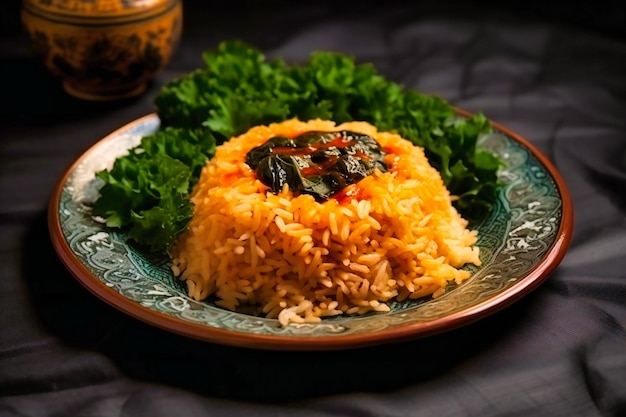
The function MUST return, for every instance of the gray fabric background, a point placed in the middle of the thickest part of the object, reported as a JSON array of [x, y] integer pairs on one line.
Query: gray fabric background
[[553, 73]]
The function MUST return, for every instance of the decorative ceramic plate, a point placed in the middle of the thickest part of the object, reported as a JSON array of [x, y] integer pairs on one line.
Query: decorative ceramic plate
[[521, 241]]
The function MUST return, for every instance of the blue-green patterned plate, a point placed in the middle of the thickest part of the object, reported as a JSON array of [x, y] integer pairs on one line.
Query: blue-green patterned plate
[[521, 241]]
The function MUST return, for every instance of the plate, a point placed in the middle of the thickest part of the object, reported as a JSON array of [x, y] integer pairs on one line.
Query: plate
[[522, 241]]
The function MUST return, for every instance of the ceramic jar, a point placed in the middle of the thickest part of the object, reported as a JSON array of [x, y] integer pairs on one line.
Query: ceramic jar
[[103, 49]]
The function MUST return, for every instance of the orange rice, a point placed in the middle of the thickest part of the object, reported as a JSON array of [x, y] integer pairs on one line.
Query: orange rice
[[391, 236]]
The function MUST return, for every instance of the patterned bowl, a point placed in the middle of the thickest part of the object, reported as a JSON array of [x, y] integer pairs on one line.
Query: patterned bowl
[[103, 49]]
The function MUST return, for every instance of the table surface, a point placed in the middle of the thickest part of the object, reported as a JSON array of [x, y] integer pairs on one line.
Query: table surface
[[560, 351]]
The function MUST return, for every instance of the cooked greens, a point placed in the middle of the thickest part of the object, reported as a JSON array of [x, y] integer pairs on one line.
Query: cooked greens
[[240, 88], [316, 163]]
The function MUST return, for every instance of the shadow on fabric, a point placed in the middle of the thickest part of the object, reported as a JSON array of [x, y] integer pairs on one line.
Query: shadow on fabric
[[42, 101], [142, 352]]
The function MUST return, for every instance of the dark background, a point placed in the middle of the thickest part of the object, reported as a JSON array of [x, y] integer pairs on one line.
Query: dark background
[[268, 24], [552, 71]]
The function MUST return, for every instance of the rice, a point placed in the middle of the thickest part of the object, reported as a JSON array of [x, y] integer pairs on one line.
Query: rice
[[391, 236]]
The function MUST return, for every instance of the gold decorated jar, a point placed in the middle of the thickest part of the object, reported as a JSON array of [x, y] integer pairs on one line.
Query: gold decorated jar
[[103, 49]]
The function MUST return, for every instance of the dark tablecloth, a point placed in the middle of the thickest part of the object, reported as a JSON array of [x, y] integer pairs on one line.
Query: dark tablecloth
[[558, 79]]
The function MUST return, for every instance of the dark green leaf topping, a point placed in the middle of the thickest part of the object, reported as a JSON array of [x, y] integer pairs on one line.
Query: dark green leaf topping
[[147, 190], [316, 163]]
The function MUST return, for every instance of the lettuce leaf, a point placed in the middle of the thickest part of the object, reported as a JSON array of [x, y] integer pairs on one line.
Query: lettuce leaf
[[147, 191]]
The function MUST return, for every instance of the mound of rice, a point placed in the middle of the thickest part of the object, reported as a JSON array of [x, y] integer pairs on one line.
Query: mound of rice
[[393, 235]]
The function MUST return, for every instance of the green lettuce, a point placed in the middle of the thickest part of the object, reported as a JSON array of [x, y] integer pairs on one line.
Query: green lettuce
[[147, 191]]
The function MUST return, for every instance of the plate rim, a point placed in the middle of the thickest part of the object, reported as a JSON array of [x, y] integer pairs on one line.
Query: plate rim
[[421, 329]]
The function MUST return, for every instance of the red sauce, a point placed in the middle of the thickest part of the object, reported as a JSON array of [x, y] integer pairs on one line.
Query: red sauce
[[362, 155], [228, 179], [319, 169], [390, 150], [338, 142], [349, 193]]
